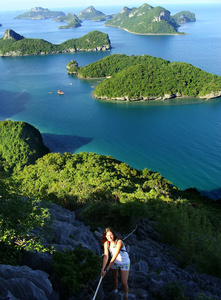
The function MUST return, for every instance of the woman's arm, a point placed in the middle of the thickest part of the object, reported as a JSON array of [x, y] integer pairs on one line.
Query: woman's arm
[[118, 246], [105, 259]]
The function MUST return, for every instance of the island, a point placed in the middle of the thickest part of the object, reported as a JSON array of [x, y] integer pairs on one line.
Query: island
[[13, 44], [72, 20], [39, 13], [145, 20], [184, 17], [142, 78], [90, 13]]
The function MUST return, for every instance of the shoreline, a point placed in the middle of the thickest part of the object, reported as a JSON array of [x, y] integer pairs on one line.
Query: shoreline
[[183, 33]]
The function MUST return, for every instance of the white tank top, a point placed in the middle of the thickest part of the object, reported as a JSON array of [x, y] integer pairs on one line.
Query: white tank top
[[123, 257]]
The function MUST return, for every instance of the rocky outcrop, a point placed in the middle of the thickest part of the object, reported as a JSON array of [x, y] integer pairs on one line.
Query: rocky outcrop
[[11, 34], [154, 271], [24, 283], [164, 97], [164, 15]]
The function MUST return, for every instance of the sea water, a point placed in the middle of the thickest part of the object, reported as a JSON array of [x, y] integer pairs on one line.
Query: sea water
[[181, 139]]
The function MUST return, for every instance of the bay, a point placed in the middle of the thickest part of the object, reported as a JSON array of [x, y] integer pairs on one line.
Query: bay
[[181, 139]]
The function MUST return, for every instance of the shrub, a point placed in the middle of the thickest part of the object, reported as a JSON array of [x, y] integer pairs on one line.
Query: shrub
[[77, 268]]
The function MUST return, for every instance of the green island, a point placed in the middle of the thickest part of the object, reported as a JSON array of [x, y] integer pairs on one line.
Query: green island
[[184, 17], [90, 13], [142, 78], [39, 13], [13, 44], [72, 20], [145, 20], [93, 184]]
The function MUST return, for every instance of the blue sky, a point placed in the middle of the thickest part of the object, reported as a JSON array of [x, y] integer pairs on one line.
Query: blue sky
[[28, 4]]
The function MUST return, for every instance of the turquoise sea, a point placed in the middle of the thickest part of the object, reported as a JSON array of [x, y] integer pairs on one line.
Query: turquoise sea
[[181, 139]]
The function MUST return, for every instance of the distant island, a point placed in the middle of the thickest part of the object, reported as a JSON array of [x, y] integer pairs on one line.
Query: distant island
[[147, 20], [39, 13], [13, 44], [184, 17], [72, 20], [142, 78], [90, 13]]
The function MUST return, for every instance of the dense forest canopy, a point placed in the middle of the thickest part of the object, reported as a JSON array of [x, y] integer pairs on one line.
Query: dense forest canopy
[[97, 184], [145, 20], [20, 144], [26, 46], [146, 77]]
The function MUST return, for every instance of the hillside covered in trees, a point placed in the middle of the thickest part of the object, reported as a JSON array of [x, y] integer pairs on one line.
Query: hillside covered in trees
[[184, 17], [132, 78], [39, 13], [97, 184], [72, 20], [145, 19], [13, 44]]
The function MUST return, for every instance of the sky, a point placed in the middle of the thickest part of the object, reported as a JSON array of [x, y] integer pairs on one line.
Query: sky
[[28, 4]]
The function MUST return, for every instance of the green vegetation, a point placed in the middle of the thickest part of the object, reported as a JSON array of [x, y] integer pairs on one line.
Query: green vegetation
[[72, 20], [184, 16], [108, 191], [20, 144], [40, 13], [145, 77], [76, 269], [145, 20], [18, 218], [94, 40]]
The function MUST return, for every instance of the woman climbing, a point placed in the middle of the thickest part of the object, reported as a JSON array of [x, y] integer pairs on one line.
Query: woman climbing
[[119, 260]]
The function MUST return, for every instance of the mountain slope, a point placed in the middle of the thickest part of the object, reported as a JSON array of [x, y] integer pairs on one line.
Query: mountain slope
[[145, 20]]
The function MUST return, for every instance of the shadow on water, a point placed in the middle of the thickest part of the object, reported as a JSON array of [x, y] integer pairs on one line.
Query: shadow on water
[[64, 143], [12, 103]]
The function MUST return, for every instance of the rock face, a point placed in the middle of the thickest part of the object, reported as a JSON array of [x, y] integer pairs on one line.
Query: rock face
[[11, 34], [154, 273], [24, 283]]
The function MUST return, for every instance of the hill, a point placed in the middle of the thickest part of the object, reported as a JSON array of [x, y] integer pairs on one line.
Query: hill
[[72, 20], [13, 44], [90, 13], [39, 13], [184, 17], [176, 240], [145, 78], [20, 144], [145, 20]]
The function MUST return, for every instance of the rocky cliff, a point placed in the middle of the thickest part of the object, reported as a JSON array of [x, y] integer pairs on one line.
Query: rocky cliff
[[155, 273], [11, 34]]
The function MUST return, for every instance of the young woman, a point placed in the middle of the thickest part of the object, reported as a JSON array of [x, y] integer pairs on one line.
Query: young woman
[[119, 260]]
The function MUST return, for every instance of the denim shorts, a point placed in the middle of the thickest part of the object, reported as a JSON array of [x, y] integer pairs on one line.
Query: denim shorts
[[123, 267]]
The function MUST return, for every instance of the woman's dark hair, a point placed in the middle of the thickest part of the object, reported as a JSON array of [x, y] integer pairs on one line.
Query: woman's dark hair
[[108, 229]]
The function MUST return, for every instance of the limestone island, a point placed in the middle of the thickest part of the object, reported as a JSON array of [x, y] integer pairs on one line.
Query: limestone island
[[142, 78], [184, 17], [72, 21], [13, 44], [39, 13], [145, 20], [90, 13]]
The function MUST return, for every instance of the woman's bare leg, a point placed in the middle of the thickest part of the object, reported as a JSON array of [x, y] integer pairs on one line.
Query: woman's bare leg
[[124, 280], [115, 278]]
